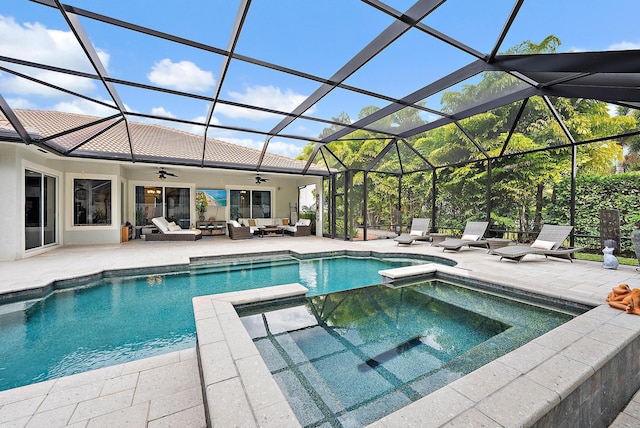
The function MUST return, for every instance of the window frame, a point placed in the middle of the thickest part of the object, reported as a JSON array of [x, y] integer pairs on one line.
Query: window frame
[[70, 201]]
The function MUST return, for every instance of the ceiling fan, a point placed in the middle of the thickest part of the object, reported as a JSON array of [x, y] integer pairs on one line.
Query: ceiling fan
[[162, 174], [261, 179]]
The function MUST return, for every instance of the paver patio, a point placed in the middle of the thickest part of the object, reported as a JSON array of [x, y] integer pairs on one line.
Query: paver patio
[[162, 390]]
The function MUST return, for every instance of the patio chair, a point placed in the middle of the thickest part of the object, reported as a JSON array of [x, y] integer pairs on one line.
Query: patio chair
[[419, 232], [473, 236], [237, 231], [549, 243]]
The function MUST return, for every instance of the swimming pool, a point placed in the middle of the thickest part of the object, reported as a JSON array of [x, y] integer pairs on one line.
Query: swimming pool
[[114, 320], [349, 358]]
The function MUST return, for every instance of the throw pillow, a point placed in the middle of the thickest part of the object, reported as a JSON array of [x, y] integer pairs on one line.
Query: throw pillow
[[285, 222], [543, 245], [235, 223], [470, 237], [174, 227], [252, 222]]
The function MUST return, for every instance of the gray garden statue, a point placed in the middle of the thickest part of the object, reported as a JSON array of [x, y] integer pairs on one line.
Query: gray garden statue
[[610, 261]]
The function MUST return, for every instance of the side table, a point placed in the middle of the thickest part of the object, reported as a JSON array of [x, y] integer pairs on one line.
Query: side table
[[495, 243], [438, 237]]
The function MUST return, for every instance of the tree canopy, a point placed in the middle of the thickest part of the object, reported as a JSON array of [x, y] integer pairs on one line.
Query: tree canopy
[[525, 157]]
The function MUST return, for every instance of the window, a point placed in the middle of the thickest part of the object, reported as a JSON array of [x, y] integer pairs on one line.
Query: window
[[249, 204], [91, 202]]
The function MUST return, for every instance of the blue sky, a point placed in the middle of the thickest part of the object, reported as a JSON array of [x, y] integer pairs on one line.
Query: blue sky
[[316, 37]]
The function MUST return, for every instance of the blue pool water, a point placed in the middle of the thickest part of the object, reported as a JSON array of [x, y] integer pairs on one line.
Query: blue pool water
[[122, 319], [352, 357]]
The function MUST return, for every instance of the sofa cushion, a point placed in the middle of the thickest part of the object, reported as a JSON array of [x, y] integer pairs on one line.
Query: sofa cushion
[[303, 222]]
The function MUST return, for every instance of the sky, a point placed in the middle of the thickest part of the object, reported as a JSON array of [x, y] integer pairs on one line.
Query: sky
[[315, 37]]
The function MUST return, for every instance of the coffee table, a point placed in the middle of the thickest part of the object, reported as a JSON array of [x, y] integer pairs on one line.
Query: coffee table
[[271, 230]]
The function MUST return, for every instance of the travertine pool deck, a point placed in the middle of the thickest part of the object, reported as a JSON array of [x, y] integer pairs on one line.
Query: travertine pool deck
[[577, 348]]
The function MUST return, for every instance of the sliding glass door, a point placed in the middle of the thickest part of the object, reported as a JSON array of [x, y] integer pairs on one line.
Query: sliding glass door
[[173, 203], [40, 215], [249, 204]]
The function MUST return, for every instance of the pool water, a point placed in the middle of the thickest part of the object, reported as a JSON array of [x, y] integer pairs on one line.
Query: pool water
[[123, 319], [352, 357]]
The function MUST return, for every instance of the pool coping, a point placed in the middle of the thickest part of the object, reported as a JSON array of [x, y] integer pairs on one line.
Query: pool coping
[[542, 381], [237, 387]]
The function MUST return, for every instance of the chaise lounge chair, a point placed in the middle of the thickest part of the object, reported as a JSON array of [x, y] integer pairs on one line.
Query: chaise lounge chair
[[419, 232], [473, 236], [549, 243], [171, 232]]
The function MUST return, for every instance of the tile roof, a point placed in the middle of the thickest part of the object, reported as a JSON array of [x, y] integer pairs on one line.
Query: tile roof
[[85, 136]]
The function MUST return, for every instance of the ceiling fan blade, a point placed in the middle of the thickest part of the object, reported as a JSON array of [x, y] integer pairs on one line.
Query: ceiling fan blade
[[163, 174]]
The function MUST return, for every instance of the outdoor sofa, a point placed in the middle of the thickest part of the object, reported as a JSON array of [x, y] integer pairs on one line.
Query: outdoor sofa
[[169, 231], [301, 228], [255, 224]]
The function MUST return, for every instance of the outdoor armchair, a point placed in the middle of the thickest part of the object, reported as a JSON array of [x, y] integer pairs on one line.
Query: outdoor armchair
[[237, 231]]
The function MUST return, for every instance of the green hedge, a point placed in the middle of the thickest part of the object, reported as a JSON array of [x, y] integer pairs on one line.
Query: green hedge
[[595, 193]]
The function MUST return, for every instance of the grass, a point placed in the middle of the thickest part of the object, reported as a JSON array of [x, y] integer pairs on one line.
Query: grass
[[599, 257]]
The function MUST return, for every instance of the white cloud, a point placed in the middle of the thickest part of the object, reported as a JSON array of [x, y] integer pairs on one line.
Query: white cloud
[[20, 103], [161, 111], [182, 76], [624, 46], [261, 96], [19, 86], [620, 46], [34, 42], [82, 106], [284, 149], [275, 147]]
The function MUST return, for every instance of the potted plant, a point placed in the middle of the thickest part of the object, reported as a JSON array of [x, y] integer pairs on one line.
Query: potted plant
[[201, 205]]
